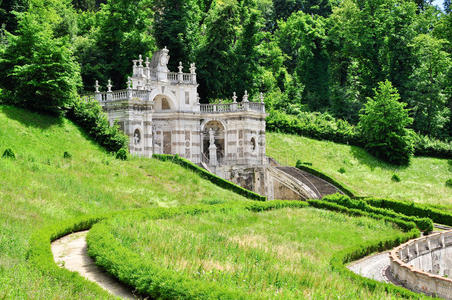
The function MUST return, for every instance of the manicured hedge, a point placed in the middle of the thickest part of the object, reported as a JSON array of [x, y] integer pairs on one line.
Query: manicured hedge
[[89, 116], [209, 176], [412, 209], [424, 224], [40, 255], [402, 224], [345, 189]]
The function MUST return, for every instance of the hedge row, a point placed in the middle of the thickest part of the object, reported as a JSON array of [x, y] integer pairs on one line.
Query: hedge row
[[40, 256], [345, 189], [209, 176], [89, 116], [424, 224], [152, 280], [325, 127], [412, 209]]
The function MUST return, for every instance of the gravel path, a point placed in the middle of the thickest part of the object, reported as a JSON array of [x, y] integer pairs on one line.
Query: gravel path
[[71, 253], [374, 267]]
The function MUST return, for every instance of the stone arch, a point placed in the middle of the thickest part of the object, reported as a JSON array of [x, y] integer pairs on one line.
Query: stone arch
[[163, 100]]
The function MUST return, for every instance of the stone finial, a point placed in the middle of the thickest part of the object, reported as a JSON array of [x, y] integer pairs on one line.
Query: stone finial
[[97, 86], [147, 62], [140, 60], [129, 82], [262, 97], [134, 62], [181, 67], [109, 86], [192, 68], [234, 97], [245, 96]]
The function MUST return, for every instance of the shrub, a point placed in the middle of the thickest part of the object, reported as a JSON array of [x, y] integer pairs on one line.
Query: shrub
[[424, 224], [67, 155], [449, 182], [395, 178], [341, 170], [122, 154], [89, 115], [383, 125], [427, 146], [9, 153]]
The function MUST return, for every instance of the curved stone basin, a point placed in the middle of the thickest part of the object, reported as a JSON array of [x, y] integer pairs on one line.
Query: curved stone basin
[[425, 264]]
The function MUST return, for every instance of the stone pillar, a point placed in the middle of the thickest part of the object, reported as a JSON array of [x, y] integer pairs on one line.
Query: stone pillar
[[97, 92], [234, 102], [180, 75], [212, 149], [109, 92], [193, 72], [245, 101]]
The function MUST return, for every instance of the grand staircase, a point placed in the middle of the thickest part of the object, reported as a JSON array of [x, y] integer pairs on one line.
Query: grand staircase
[[319, 186]]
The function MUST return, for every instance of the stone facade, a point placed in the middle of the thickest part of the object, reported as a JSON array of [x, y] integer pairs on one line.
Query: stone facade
[[161, 113]]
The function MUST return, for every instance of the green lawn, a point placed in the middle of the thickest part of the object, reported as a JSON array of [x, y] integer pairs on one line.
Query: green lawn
[[279, 254], [423, 181], [41, 187]]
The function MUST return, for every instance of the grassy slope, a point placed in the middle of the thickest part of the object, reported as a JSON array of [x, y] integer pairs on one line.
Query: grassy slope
[[42, 187], [423, 181], [280, 254]]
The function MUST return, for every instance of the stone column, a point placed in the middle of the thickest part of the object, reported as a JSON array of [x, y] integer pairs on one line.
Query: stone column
[[212, 148]]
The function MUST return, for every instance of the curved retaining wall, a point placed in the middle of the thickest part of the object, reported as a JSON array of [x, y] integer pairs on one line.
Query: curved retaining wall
[[424, 264]]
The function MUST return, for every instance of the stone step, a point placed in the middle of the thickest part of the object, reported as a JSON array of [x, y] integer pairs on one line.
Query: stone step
[[320, 186]]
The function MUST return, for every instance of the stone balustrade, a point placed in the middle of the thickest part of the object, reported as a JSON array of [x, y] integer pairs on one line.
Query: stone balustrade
[[424, 264], [233, 107]]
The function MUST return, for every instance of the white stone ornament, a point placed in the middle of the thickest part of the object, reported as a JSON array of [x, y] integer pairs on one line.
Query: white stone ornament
[[109, 86], [96, 86], [234, 97], [262, 97], [245, 96], [181, 67]]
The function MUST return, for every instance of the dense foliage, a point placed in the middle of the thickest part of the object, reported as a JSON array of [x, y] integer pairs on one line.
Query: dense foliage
[[319, 56]]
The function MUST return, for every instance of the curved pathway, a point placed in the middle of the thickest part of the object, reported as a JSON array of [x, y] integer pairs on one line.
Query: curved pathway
[[71, 253], [373, 267]]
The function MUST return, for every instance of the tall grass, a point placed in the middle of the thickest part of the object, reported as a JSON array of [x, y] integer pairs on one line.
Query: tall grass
[[422, 181], [42, 187], [281, 254]]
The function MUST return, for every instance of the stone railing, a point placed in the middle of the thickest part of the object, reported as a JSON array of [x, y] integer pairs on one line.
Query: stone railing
[[424, 264], [120, 95], [181, 77], [232, 107]]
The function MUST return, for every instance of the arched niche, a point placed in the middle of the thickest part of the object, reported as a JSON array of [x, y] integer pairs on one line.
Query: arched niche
[[218, 129]]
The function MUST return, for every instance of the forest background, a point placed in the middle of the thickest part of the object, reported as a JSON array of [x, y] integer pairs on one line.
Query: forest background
[[326, 57]]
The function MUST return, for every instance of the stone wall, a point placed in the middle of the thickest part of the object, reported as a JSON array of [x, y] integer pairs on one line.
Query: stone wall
[[424, 264]]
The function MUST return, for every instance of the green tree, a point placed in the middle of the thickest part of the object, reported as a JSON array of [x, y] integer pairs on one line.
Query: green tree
[[303, 39], [383, 124], [40, 70], [8, 9], [429, 80], [122, 32], [215, 57]]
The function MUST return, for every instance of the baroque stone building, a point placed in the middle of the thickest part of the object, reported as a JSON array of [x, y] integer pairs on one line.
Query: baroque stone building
[[161, 113]]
